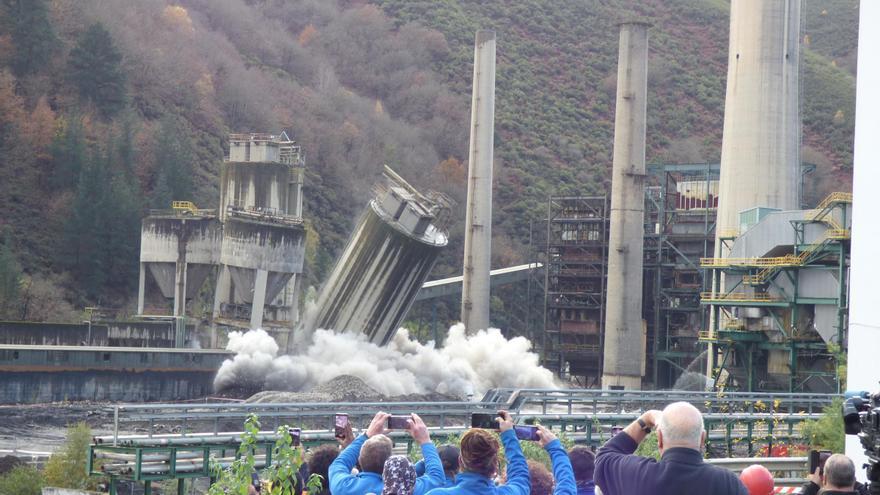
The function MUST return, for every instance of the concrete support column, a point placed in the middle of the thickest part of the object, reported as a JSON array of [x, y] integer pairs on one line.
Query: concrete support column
[[180, 288], [478, 228], [259, 300], [221, 292], [142, 285], [624, 352]]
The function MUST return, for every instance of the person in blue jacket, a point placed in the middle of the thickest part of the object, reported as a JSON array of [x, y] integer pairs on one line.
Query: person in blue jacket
[[371, 450], [563, 474], [583, 462], [479, 463], [449, 455]]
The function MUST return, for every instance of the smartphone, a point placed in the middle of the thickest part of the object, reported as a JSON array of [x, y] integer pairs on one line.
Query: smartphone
[[615, 430], [817, 460], [526, 432], [341, 423], [255, 480], [295, 436], [398, 422], [484, 420]]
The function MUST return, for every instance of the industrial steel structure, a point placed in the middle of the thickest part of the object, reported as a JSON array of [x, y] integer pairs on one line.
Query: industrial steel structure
[[784, 298], [574, 297], [678, 228]]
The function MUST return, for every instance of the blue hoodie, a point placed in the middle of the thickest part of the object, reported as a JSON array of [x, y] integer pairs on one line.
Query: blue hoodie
[[518, 482], [562, 470], [342, 482]]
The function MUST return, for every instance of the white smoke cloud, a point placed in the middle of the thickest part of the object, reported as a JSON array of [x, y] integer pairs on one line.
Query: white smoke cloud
[[465, 365]]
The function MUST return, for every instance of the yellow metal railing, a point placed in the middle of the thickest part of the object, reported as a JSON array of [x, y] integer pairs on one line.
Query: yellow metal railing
[[835, 197], [788, 259], [738, 297], [728, 233], [707, 336], [184, 205]]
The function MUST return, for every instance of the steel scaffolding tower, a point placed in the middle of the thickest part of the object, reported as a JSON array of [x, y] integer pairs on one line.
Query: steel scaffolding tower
[[574, 297]]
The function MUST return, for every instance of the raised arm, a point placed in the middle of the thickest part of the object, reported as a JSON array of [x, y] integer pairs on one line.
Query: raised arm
[[563, 473], [340, 469], [434, 476], [518, 480]]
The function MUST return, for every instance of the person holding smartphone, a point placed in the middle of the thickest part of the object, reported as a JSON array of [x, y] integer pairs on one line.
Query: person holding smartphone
[[371, 449], [479, 463], [563, 474]]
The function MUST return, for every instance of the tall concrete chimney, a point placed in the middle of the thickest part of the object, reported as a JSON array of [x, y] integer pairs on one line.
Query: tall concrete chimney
[[624, 354], [478, 228], [760, 152]]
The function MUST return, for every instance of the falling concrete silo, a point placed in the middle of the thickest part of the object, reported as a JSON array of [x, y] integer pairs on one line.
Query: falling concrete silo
[[624, 349], [475, 300], [760, 152], [388, 258]]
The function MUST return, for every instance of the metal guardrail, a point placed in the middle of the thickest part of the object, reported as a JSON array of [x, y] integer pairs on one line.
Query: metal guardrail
[[788, 471], [522, 402]]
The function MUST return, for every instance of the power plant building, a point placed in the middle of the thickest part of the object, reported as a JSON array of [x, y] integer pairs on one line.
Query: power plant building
[[254, 241]]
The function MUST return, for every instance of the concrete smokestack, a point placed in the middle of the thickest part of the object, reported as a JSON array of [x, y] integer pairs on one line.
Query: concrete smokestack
[[624, 354], [760, 152], [478, 228]]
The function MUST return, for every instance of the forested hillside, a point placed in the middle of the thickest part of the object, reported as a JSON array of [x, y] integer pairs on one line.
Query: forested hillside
[[111, 107]]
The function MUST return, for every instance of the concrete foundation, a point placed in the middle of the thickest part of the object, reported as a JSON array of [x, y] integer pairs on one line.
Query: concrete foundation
[[624, 356]]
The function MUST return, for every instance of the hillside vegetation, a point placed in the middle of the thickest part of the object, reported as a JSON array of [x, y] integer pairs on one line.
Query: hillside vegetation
[[111, 107]]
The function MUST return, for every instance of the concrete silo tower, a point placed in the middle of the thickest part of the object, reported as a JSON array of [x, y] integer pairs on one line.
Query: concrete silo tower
[[760, 153]]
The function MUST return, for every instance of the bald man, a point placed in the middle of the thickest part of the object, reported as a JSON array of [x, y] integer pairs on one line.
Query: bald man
[[680, 438], [838, 477]]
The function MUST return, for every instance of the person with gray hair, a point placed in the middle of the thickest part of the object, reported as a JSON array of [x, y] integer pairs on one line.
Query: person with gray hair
[[837, 477], [680, 439]]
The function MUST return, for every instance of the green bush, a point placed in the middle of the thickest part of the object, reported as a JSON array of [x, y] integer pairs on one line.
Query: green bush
[[22, 480], [826, 433], [67, 467]]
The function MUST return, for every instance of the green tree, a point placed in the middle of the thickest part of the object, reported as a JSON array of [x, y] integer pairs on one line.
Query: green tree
[[84, 245], [10, 282], [68, 150], [95, 68], [173, 150], [27, 22], [826, 433], [22, 480], [67, 467], [287, 460]]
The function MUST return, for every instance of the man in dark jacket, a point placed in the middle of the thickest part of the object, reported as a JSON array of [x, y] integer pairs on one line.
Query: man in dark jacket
[[837, 478], [680, 438]]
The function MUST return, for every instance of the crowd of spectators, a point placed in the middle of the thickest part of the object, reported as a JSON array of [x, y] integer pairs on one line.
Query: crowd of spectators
[[365, 464]]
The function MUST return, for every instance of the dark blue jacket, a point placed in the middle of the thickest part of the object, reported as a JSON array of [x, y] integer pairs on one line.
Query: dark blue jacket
[[562, 470], [680, 470], [342, 482], [518, 482]]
